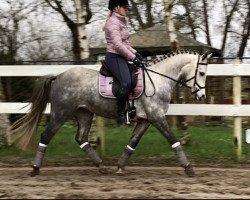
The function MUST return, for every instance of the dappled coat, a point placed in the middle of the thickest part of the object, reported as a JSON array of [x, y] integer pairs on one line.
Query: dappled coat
[[117, 35]]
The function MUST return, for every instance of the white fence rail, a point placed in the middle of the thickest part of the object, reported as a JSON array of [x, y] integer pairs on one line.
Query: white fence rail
[[41, 70], [174, 109], [235, 110]]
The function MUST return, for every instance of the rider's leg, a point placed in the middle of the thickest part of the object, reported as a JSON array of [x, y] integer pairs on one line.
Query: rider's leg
[[140, 128], [122, 96], [119, 68]]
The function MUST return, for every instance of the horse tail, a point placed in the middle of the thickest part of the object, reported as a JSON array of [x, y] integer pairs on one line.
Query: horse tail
[[23, 130]]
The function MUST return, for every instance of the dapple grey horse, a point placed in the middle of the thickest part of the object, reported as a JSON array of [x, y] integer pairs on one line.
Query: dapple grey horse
[[74, 94]]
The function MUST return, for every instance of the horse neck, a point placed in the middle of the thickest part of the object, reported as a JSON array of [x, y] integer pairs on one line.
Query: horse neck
[[172, 66]]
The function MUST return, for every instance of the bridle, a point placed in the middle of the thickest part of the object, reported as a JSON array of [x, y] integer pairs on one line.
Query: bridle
[[196, 85], [198, 88]]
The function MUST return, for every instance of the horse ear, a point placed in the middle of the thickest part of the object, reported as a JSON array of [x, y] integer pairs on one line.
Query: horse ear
[[206, 55]]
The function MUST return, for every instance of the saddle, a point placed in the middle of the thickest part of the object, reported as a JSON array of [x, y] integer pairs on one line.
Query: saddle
[[108, 85]]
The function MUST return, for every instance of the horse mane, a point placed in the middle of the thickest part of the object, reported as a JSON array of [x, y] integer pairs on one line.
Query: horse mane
[[171, 54]]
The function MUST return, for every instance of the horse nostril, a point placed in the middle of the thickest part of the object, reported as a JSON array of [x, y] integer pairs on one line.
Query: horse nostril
[[200, 98], [203, 97]]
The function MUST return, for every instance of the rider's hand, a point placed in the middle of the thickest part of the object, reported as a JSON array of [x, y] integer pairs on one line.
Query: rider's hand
[[137, 62], [138, 56]]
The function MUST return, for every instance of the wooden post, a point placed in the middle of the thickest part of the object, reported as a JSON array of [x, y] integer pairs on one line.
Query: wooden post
[[101, 135], [182, 125], [237, 119], [100, 132], [5, 137]]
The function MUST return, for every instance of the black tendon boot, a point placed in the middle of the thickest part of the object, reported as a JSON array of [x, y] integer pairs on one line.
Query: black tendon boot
[[122, 114]]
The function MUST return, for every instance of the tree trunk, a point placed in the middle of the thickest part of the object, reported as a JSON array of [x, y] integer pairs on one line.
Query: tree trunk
[[206, 22], [227, 25], [81, 14], [170, 26], [246, 33], [186, 4], [179, 98]]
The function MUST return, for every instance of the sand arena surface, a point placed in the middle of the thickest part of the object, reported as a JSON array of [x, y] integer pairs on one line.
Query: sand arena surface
[[139, 182]]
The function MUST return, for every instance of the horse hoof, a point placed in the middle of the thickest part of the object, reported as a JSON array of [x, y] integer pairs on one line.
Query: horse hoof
[[35, 172], [104, 170], [120, 172], [189, 171]]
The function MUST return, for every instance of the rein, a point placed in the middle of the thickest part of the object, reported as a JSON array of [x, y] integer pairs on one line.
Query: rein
[[180, 82]]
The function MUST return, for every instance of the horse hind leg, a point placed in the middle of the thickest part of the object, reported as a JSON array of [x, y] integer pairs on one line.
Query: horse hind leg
[[139, 130], [84, 120], [53, 126]]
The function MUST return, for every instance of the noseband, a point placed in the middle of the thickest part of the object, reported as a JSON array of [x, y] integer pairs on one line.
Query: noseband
[[196, 85]]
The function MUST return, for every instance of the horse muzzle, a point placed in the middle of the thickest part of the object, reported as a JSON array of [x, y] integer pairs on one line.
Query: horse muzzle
[[200, 94], [200, 98]]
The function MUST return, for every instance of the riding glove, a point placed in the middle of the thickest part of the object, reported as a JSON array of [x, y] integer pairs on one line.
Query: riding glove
[[139, 56], [137, 62]]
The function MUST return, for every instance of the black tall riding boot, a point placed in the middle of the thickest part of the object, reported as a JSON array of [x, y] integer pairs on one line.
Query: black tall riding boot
[[122, 114]]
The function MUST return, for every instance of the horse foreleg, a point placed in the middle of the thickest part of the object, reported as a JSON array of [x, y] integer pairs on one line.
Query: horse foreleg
[[162, 126], [181, 157], [84, 119], [91, 153], [139, 130]]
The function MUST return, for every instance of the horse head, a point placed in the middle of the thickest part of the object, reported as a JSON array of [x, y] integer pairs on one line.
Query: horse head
[[194, 75]]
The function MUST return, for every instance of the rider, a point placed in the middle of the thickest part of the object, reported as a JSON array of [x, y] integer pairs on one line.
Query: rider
[[119, 52]]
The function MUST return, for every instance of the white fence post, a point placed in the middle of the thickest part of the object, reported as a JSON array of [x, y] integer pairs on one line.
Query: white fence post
[[237, 102]]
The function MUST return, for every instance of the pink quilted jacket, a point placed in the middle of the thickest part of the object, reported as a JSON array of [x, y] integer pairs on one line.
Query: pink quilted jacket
[[117, 35]]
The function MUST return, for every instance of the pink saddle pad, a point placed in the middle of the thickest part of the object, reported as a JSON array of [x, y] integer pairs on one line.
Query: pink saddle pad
[[105, 86]]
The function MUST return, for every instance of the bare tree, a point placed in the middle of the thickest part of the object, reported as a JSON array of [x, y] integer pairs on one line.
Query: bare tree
[[179, 96], [81, 23], [82, 13], [170, 26], [207, 29], [229, 12], [245, 32], [190, 19], [12, 14], [198, 19], [145, 13]]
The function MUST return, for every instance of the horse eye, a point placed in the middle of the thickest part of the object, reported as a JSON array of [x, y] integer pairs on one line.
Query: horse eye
[[202, 73]]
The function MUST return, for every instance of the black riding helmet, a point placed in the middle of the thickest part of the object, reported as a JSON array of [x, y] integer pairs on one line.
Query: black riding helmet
[[114, 3]]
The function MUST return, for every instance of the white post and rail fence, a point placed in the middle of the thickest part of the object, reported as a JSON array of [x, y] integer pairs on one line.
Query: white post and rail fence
[[235, 110]]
